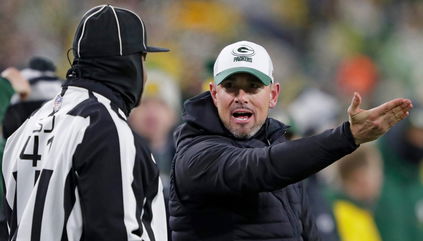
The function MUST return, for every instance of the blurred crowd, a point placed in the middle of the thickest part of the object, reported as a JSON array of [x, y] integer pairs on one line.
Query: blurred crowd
[[324, 50]]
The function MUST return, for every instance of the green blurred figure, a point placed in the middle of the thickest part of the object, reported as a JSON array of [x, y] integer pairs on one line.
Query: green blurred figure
[[399, 213]]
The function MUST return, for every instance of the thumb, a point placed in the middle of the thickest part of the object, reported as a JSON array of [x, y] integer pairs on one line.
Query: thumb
[[355, 103]]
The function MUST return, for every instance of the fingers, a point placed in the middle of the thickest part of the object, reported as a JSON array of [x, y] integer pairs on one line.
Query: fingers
[[355, 104], [10, 72], [401, 104], [407, 105], [401, 111], [396, 115]]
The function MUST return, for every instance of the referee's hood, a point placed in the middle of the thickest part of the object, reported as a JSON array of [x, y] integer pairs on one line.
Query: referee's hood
[[108, 47], [122, 74]]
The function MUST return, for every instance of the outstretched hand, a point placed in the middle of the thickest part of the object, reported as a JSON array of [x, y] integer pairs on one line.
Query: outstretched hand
[[368, 125]]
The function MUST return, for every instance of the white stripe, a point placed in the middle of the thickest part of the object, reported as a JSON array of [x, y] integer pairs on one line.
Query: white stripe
[[152, 158], [74, 224], [118, 28], [158, 222], [83, 28], [144, 235], [103, 5], [143, 27], [122, 114]]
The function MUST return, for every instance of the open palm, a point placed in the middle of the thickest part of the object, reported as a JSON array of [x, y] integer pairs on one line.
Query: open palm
[[368, 125]]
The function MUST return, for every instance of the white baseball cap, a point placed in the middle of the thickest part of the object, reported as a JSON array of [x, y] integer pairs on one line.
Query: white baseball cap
[[243, 57]]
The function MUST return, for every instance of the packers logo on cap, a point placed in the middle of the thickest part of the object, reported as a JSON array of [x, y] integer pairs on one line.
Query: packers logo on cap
[[243, 51]]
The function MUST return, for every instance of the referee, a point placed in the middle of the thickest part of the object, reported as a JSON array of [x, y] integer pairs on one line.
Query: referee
[[75, 170]]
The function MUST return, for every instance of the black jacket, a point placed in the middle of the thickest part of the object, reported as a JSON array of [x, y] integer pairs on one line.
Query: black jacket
[[223, 188]]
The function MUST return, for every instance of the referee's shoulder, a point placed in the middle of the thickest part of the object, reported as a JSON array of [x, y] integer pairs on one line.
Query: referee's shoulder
[[91, 107]]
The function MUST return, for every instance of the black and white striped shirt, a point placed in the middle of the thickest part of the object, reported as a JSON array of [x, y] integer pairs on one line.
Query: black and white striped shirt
[[75, 171]]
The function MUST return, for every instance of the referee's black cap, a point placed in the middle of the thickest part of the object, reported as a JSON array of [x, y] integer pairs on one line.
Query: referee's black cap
[[106, 30]]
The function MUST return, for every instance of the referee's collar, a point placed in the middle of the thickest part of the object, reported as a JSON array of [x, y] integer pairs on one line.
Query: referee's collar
[[99, 88]]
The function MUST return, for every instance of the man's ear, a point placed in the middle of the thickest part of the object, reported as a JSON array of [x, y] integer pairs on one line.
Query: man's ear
[[274, 94], [213, 91]]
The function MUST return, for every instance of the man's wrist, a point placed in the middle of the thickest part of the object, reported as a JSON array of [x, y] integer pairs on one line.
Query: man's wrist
[[357, 141]]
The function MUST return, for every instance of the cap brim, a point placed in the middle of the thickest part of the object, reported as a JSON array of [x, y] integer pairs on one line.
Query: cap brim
[[156, 49], [266, 80]]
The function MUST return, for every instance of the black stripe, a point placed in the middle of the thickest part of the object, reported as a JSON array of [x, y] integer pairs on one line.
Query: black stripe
[[148, 173], [39, 204], [138, 188], [43, 78], [144, 185], [99, 182], [91, 95], [115, 108], [37, 174], [13, 219], [68, 201], [5, 213], [148, 212]]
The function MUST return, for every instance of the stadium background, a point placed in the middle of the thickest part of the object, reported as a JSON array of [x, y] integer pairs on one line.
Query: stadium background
[[322, 50], [374, 45]]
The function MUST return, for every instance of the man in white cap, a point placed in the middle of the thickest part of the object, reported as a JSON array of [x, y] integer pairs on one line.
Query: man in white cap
[[234, 176], [75, 170], [44, 84]]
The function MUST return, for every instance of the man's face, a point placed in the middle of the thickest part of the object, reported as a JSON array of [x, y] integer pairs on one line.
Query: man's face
[[153, 119], [243, 103]]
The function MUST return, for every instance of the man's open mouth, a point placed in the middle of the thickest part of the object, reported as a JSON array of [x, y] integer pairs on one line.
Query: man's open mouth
[[242, 115]]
